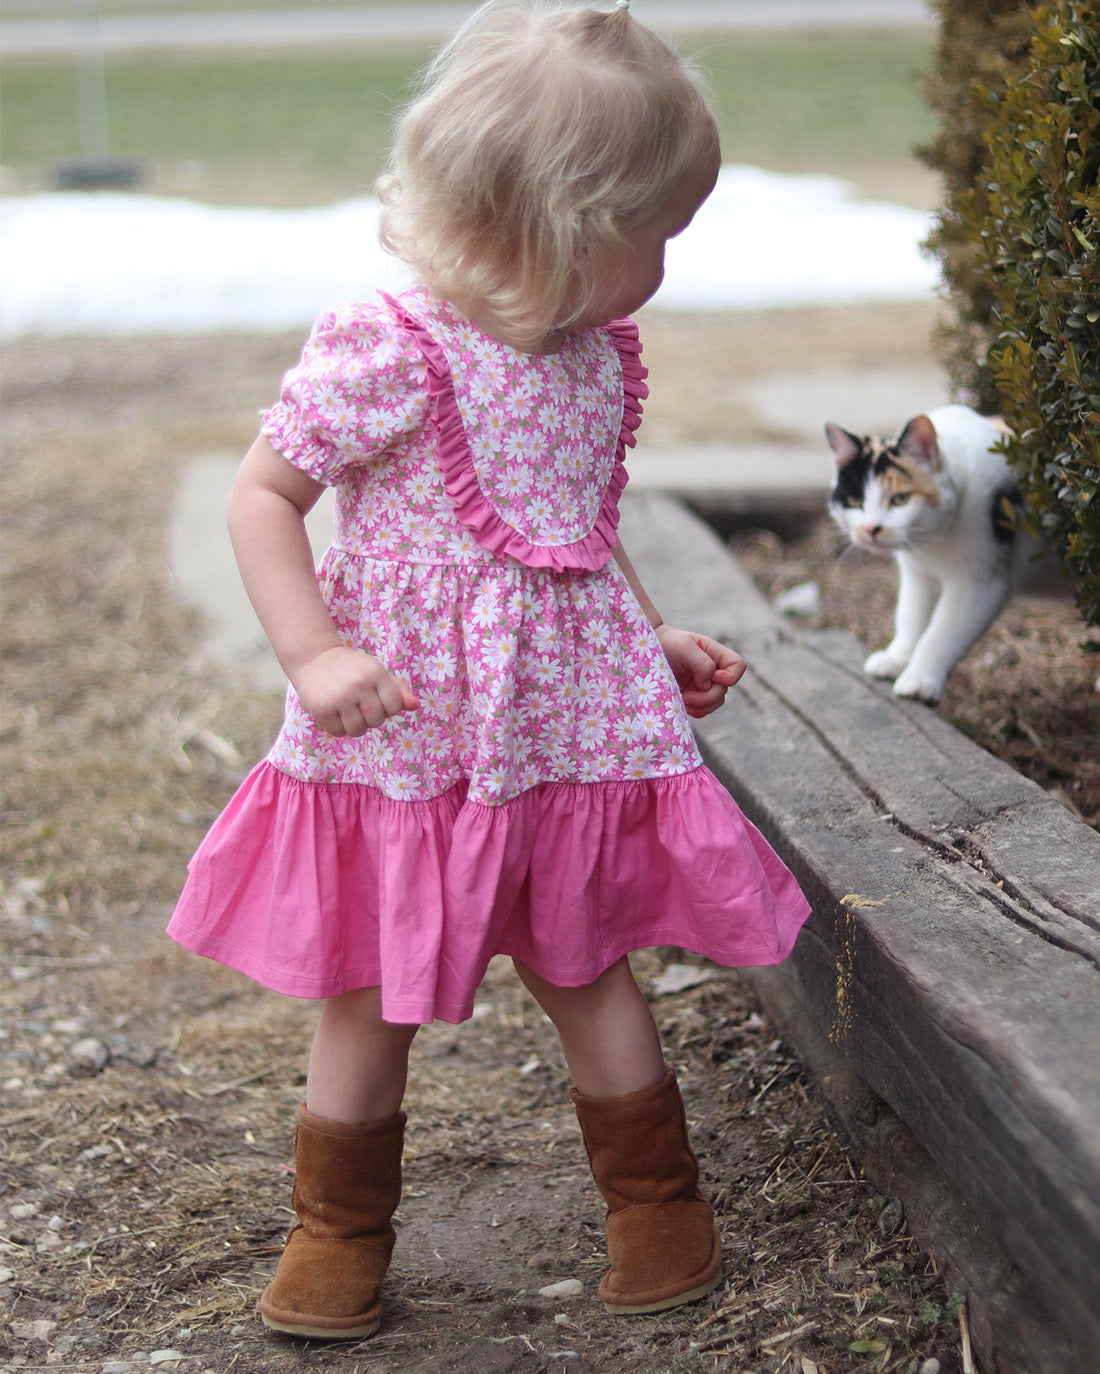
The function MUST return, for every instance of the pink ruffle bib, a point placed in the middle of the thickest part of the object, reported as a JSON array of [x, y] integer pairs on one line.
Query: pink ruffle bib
[[546, 494]]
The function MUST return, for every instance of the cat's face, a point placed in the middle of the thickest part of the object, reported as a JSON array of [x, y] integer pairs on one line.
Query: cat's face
[[889, 494]]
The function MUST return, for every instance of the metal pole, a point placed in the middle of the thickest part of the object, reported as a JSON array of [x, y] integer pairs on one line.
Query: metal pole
[[91, 86], [95, 167]]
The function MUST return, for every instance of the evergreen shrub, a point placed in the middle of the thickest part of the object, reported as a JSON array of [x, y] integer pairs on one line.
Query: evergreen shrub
[[982, 48], [1026, 239]]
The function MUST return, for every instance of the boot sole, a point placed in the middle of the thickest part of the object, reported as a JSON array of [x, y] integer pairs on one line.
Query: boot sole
[[322, 1333], [677, 1300]]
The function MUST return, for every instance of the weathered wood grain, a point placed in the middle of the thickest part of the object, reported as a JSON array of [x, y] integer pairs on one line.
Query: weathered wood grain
[[953, 958]]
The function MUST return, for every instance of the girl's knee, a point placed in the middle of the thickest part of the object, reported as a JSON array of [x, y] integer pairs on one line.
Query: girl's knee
[[618, 974], [357, 1003], [362, 1008]]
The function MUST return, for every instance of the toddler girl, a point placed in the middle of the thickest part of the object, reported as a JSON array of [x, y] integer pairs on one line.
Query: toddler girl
[[486, 747]]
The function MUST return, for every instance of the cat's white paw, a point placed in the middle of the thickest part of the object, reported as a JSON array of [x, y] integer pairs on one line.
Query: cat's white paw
[[884, 664], [920, 686]]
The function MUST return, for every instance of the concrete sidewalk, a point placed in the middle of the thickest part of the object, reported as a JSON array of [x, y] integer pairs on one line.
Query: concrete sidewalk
[[792, 472]]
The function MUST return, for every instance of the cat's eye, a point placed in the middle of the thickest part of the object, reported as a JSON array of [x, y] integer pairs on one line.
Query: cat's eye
[[853, 502], [899, 498]]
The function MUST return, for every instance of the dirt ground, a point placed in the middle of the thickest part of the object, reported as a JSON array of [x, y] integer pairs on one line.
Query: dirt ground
[[149, 1097]]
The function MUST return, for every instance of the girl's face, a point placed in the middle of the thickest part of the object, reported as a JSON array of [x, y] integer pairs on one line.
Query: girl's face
[[633, 280]]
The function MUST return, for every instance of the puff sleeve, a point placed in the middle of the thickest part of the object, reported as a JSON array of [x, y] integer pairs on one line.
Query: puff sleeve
[[359, 389]]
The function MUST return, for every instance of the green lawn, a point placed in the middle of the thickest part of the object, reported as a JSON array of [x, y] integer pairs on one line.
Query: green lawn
[[311, 126], [292, 130]]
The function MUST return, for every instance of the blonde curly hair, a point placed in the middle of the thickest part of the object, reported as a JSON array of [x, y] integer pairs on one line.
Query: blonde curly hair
[[541, 135]]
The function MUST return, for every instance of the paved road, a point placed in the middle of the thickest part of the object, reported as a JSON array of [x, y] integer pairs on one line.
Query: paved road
[[340, 27]]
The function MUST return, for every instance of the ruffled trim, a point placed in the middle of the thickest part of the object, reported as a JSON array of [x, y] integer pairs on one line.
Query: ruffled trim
[[474, 508], [316, 889]]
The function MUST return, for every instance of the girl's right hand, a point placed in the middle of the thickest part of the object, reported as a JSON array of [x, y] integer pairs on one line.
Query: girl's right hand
[[348, 692]]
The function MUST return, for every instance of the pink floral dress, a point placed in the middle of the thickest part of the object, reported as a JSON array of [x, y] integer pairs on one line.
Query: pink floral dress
[[547, 800]]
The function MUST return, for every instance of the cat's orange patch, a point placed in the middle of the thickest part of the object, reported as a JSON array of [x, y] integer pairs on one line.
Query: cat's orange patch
[[902, 476]]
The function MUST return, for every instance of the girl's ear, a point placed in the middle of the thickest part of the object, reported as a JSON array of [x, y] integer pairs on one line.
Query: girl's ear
[[918, 441], [845, 446]]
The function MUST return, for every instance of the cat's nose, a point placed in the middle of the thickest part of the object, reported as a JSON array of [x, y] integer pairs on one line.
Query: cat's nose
[[873, 531]]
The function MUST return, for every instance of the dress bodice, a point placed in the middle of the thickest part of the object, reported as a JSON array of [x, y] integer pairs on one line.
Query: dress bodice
[[444, 443]]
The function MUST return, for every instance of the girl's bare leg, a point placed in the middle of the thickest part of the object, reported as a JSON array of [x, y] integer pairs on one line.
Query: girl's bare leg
[[662, 1240], [359, 1064], [607, 1031]]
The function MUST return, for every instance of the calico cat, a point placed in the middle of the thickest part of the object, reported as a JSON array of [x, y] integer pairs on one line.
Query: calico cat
[[935, 499]]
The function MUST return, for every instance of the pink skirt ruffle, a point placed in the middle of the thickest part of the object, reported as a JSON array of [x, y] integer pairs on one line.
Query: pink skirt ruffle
[[314, 889]]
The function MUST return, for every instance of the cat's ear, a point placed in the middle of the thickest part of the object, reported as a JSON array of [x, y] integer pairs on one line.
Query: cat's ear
[[918, 441], [845, 446]]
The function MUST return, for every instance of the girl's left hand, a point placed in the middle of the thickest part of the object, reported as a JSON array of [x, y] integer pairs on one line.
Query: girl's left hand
[[703, 668]]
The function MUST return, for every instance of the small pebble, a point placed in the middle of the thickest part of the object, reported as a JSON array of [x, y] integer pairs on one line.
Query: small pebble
[[165, 1356], [40, 1330], [118, 1367], [135, 1052], [892, 1219], [567, 1288], [681, 977], [90, 1054], [805, 599], [20, 1211]]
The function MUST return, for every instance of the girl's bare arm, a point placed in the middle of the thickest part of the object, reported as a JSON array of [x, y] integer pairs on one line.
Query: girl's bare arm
[[344, 690], [703, 668]]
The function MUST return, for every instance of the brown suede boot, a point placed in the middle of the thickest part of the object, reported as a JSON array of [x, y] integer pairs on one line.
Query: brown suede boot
[[661, 1236], [346, 1188]]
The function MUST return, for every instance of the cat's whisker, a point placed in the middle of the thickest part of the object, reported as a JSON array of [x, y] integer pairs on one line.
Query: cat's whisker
[[846, 551]]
